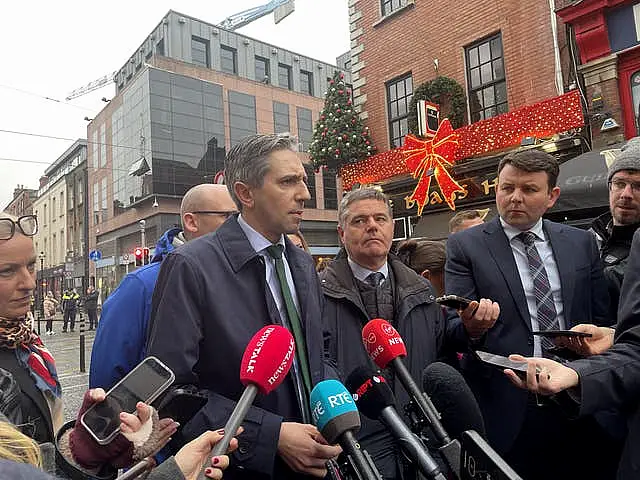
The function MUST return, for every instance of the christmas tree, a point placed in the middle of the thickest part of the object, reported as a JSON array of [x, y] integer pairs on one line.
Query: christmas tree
[[339, 136]]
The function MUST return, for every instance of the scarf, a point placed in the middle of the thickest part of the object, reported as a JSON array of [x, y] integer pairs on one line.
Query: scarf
[[17, 334]]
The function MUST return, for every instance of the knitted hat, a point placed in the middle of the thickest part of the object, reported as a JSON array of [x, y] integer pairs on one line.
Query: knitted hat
[[628, 159]]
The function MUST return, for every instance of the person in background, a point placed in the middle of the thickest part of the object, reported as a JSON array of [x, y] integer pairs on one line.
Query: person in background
[[119, 344], [467, 219], [298, 240], [24, 360], [614, 230], [50, 307], [427, 259], [70, 300], [91, 305]]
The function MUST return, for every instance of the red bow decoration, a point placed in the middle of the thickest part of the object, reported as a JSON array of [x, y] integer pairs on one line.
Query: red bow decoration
[[425, 158]]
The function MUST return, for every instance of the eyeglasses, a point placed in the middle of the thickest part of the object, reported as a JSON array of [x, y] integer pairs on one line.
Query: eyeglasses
[[618, 185], [28, 225], [225, 213]]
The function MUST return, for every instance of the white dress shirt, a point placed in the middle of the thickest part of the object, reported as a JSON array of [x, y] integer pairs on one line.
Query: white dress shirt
[[522, 262], [260, 244]]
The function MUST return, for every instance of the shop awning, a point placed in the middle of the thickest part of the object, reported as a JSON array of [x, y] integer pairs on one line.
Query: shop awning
[[583, 183]]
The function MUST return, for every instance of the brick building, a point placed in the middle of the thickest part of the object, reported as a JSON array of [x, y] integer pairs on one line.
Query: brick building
[[22, 201], [505, 55], [190, 92], [607, 37]]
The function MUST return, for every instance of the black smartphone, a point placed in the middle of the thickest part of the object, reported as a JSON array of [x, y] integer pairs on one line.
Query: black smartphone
[[144, 383], [454, 301], [181, 404], [561, 333], [498, 361]]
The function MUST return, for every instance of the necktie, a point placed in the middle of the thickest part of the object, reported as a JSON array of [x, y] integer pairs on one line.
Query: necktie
[[275, 251], [541, 286], [375, 279]]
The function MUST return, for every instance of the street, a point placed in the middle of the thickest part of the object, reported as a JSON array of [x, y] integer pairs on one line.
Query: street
[[65, 348]]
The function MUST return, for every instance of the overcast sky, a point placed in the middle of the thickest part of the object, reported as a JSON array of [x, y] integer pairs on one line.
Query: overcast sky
[[49, 48]]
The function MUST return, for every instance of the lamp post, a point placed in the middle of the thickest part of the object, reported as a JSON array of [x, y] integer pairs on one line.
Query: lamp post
[[41, 288], [142, 237]]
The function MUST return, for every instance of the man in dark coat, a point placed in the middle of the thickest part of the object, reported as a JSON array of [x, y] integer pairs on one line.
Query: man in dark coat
[[215, 292], [545, 276], [91, 304], [605, 381], [365, 282]]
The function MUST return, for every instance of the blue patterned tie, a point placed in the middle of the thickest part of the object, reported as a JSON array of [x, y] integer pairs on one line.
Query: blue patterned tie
[[375, 279], [547, 315]]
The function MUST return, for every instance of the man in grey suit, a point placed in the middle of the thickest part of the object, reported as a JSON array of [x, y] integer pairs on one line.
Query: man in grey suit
[[544, 276]]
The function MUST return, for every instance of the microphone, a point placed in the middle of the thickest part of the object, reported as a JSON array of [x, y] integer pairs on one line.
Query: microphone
[[265, 364], [453, 398], [385, 347], [463, 418], [375, 400], [334, 412]]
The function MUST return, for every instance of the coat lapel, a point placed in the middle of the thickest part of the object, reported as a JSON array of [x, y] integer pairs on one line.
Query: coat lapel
[[563, 256], [500, 249]]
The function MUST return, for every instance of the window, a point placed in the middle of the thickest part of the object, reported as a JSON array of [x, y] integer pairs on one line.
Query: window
[[485, 78], [103, 146], [54, 247], [228, 60], [160, 47], [399, 92], [305, 127], [80, 192], [53, 209], [281, 117], [635, 94], [330, 190], [284, 76], [242, 116], [311, 185], [96, 203], [262, 70], [103, 201], [306, 82], [200, 53], [61, 203], [390, 6], [44, 215]]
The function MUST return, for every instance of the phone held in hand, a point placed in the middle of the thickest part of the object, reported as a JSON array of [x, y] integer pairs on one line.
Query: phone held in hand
[[181, 404], [562, 333], [149, 379], [454, 301], [500, 362]]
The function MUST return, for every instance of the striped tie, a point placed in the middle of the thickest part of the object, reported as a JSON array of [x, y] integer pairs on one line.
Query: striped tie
[[547, 315]]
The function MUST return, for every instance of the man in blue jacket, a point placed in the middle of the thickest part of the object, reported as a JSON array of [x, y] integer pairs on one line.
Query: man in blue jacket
[[121, 334]]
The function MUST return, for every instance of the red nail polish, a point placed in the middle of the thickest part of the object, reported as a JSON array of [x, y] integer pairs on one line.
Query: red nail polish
[[220, 432], [208, 471], [216, 460]]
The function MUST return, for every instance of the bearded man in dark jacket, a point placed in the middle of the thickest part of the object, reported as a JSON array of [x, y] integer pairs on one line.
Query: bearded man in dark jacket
[[364, 282]]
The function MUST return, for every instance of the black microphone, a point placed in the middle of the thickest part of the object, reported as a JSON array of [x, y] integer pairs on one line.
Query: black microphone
[[375, 400], [462, 416], [453, 399]]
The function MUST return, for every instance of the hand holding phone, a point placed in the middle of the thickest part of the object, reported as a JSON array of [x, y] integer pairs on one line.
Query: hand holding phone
[[454, 301], [500, 362], [143, 384]]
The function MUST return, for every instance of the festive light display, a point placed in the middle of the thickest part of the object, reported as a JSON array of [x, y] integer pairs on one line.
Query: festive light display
[[539, 120], [433, 157]]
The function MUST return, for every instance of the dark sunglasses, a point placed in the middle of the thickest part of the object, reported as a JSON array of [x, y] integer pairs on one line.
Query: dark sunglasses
[[225, 213], [28, 225]]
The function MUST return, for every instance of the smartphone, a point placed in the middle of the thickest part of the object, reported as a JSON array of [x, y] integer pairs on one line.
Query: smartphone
[[454, 301], [561, 333], [498, 361], [149, 379], [181, 404]]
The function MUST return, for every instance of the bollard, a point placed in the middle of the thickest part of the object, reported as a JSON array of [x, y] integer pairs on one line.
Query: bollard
[[82, 366], [38, 321]]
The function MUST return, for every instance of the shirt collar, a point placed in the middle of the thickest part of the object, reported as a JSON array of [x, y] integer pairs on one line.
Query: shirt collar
[[511, 232], [258, 241], [362, 273]]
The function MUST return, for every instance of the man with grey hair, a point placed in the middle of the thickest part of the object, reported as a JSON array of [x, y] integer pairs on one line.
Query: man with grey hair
[[223, 288], [364, 282]]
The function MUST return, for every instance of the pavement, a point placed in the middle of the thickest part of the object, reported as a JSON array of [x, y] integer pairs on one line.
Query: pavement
[[65, 348]]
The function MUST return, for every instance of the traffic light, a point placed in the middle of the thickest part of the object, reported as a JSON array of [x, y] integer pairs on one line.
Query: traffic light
[[138, 254], [145, 256]]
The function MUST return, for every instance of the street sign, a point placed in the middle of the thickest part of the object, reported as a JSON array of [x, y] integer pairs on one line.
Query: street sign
[[95, 255]]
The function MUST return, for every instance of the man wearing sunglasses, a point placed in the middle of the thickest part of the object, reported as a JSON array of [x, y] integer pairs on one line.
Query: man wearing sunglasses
[[121, 333]]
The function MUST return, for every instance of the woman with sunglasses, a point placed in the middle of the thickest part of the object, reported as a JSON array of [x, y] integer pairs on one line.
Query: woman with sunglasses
[[22, 353]]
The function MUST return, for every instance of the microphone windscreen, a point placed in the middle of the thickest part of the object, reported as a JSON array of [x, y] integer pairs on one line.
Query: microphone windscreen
[[382, 342], [333, 410], [453, 398], [370, 391], [267, 358]]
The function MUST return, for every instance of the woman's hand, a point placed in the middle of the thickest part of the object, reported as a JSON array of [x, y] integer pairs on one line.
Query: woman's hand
[[192, 457]]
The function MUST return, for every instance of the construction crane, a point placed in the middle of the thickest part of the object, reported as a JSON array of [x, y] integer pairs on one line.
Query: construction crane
[[280, 9]]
